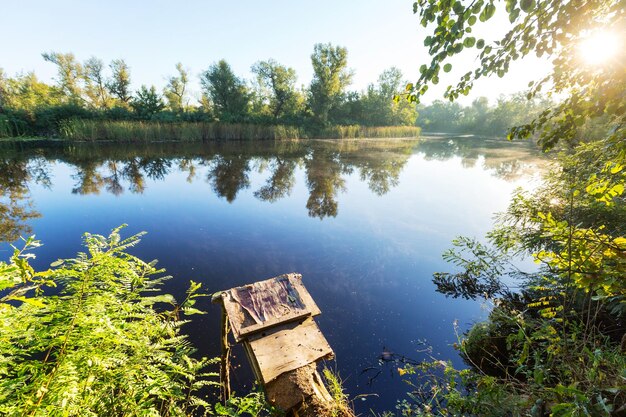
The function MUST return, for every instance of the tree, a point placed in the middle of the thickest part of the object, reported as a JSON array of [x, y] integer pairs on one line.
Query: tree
[[26, 92], [440, 116], [4, 90], [69, 74], [549, 27], [280, 81], [330, 78], [380, 107], [542, 348], [119, 83], [147, 102], [95, 84], [228, 93], [176, 88]]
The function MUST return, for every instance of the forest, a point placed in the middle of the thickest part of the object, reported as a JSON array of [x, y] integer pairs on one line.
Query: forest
[[90, 99]]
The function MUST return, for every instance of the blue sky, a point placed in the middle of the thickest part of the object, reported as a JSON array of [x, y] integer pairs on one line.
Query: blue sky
[[152, 36]]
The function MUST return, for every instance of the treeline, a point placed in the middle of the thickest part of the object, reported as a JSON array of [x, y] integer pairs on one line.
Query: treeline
[[92, 90], [480, 117]]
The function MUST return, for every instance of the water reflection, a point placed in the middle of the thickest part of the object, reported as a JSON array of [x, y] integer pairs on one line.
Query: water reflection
[[508, 160], [229, 213], [227, 168], [280, 183], [16, 205]]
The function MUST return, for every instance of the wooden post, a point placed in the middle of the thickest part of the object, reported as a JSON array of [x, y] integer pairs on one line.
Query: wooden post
[[225, 360]]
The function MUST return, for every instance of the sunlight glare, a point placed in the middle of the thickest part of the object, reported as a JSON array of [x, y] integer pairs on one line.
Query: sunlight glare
[[598, 48]]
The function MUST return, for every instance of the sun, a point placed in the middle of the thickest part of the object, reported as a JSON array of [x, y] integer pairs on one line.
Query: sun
[[599, 48]]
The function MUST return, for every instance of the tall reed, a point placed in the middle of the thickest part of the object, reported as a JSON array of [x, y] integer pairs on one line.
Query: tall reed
[[141, 131], [357, 131]]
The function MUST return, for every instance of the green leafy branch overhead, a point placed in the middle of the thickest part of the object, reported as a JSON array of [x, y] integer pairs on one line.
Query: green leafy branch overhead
[[552, 29]]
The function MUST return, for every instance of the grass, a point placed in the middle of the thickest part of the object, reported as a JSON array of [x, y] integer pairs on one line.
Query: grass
[[131, 131], [357, 131], [341, 403]]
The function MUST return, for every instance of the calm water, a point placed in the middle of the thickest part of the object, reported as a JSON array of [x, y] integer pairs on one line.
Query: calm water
[[364, 222]]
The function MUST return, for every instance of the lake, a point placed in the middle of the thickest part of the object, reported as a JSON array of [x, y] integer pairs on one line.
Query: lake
[[365, 222]]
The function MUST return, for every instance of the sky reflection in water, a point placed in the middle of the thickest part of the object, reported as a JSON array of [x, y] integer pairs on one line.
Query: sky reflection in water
[[364, 222]]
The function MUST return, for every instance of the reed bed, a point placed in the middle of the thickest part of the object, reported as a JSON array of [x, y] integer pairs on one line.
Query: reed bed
[[142, 131], [131, 131], [357, 131]]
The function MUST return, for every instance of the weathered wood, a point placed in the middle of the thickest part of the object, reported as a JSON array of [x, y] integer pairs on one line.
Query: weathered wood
[[274, 320], [254, 307], [302, 391], [256, 328], [288, 347], [225, 360]]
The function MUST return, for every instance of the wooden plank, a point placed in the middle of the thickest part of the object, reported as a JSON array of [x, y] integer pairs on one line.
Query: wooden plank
[[288, 347], [252, 360], [255, 328], [255, 307]]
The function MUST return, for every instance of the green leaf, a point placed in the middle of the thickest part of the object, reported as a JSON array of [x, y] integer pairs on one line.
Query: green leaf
[[447, 67], [527, 5], [32, 301], [423, 68], [56, 263], [510, 5], [469, 42], [480, 44], [472, 20], [487, 12]]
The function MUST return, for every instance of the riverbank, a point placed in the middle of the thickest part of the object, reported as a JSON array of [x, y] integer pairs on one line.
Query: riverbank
[[148, 131]]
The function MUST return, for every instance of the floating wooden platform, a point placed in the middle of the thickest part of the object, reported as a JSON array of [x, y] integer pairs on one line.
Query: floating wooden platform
[[274, 321]]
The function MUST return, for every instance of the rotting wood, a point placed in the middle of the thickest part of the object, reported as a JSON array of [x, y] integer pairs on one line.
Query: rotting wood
[[298, 389], [288, 347], [252, 308], [274, 321], [225, 360]]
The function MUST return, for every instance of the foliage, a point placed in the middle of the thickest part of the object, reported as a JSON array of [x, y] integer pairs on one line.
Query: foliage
[[119, 83], [552, 347], [548, 27], [101, 346], [279, 83], [147, 103], [93, 90], [227, 93], [379, 106], [253, 404], [69, 74], [95, 84], [176, 88], [479, 117], [340, 405], [330, 78]]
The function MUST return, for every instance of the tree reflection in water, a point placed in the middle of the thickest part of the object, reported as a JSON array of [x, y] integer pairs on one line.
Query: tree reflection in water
[[227, 167], [16, 206]]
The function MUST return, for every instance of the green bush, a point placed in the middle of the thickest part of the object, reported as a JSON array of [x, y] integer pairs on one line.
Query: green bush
[[104, 345]]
